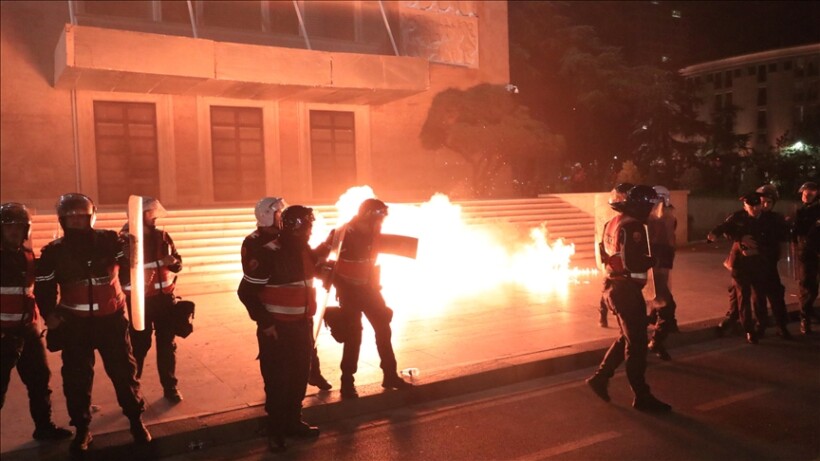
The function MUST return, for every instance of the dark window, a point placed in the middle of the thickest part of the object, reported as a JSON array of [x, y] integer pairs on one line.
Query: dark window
[[761, 73], [232, 14], [762, 99], [125, 135], [750, 70], [127, 9], [728, 100], [787, 65], [761, 139], [773, 67], [175, 11], [728, 79], [761, 120], [737, 73], [710, 78], [697, 81], [811, 69], [332, 152], [718, 80], [238, 150], [334, 20], [718, 102], [283, 18]]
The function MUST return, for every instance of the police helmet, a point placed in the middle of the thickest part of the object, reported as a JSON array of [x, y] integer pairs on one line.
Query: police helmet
[[618, 193], [76, 204], [663, 195], [639, 201], [296, 219], [266, 210], [152, 208], [372, 207], [16, 213], [769, 191], [810, 185]]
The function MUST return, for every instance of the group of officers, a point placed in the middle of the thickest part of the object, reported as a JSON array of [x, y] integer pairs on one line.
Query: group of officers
[[80, 285], [641, 237]]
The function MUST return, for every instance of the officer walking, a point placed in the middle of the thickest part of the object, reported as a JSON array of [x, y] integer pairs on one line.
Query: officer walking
[[806, 247], [662, 224], [627, 260], [616, 195], [21, 341], [359, 292], [89, 314], [162, 261], [277, 289]]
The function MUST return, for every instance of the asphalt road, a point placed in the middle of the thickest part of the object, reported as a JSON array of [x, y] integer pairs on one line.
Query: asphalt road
[[732, 401]]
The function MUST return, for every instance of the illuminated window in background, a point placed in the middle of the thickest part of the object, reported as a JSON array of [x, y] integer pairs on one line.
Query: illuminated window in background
[[676, 14], [762, 97], [237, 149], [332, 152], [664, 58], [125, 136]]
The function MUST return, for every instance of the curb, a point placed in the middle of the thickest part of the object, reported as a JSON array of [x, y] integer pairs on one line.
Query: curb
[[206, 431]]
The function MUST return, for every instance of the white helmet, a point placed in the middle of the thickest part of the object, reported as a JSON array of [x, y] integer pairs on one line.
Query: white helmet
[[663, 194], [266, 210], [151, 208]]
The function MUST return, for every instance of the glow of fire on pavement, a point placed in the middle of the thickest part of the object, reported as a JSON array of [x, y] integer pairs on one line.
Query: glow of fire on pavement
[[457, 260]]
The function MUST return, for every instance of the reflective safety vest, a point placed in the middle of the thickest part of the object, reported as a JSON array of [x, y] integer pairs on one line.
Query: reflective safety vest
[[17, 305], [357, 270], [158, 279], [613, 247], [97, 296], [354, 271], [290, 301]]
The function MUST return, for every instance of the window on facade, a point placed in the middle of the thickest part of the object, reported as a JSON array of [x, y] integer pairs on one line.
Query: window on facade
[[232, 14], [787, 65], [116, 8], [238, 153], [761, 139], [125, 136], [718, 102], [175, 11], [761, 73], [330, 19], [728, 79], [676, 14], [333, 152], [761, 120], [773, 67], [718, 80], [727, 100], [710, 78], [282, 18], [811, 69], [750, 70], [737, 73], [762, 99]]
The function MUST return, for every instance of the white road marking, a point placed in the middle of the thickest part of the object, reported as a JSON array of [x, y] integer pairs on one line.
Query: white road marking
[[570, 446], [708, 406]]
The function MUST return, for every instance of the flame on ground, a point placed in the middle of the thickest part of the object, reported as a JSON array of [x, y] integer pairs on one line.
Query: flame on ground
[[458, 260]]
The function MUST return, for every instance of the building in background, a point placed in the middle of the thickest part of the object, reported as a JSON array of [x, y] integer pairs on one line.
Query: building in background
[[217, 103], [775, 92]]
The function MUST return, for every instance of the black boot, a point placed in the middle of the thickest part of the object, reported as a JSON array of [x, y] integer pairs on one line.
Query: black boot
[[805, 326], [659, 350], [320, 382], [138, 431], [603, 322], [598, 383], [394, 381], [50, 431], [348, 390], [172, 395], [648, 403], [82, 441], [783, 332]]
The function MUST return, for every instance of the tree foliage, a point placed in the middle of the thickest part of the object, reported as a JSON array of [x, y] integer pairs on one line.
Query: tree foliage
[[489, 128]]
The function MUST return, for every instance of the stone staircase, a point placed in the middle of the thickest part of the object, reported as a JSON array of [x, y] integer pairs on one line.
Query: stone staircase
[[209, 239]]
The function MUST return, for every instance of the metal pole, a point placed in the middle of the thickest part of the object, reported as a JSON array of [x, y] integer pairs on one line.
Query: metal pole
[[193, 20], [72, 16], [387, 26], [301, 24]]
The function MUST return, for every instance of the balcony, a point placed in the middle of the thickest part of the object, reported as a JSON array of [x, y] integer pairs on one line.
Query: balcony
[[103, 59]]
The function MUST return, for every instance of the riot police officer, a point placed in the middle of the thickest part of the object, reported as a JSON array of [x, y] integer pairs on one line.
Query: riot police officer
[[662, 224], [359, 292], [616, 195], [277, 289], [627, 260], [806, 247], [21, 340], [89, 314], [162, 261]]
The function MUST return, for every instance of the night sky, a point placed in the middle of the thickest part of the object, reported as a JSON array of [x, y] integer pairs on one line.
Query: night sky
[[722, 29]]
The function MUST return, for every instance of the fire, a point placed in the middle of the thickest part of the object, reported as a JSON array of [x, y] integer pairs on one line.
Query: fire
[[457, 260]]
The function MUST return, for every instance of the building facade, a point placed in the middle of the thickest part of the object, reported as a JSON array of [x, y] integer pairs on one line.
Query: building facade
[[217, 103], [773, 91]]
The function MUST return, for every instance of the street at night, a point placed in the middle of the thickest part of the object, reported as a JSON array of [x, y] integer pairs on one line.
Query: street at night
[[731, 401]]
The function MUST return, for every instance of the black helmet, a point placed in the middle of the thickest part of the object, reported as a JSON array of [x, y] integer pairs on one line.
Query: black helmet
[[16, 213], [76, 204], [769, 191], [618, 194], [811, 185], [372, 207], [639, 201], [297, 218]]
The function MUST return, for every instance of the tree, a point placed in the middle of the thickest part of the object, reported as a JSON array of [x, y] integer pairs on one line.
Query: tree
[[488, 127]]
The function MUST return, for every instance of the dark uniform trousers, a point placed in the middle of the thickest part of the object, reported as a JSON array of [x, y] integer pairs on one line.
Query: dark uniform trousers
[[625, 299], [749, 282], [356, 300], [665, 321], [157, 318], [26, 350], [807, 274], [285, 364], [109, 335]]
